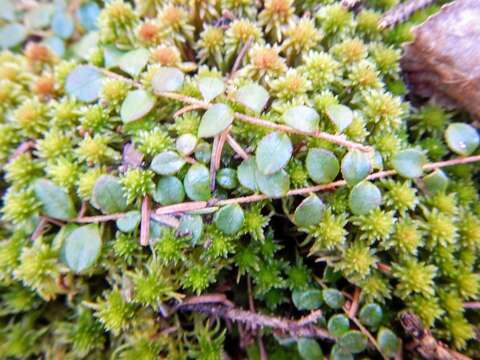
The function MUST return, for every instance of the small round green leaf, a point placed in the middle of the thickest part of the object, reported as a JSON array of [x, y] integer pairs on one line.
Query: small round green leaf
[[191, 226], [275, 185], [229, 219], [273, 152], [197, 183], [129, 222], [309, 212], [462, 139], [56, 202], [167, 79], [108, 195], [353, 342], [203, 152], [186, 143], [340, 115], [338, 353], [227, 178], [322, 165], [134, 61], [84, 83], [169, 191], [409, 163], [333, 298], [210, 87], [83, 48], [8, 10], [215, 120], [246, 173], [111, 55], [87, 15], [371, 315], [309, 349], [387, 342], [39, 17], [55, 44], [302, 118], [12, 35], [364, 197], [356, 166], [437, 181], [136, 105], [63, 24], [338, 325], [307, 299], [167, 163], [83, 247], [252, 96]]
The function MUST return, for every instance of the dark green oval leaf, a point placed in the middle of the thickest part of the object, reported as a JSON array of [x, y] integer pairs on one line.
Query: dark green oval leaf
[[63, 24], [252, 96], [436, 181], [309, 212], [340, 115], [169, 191], [322, 165], [353, 342], [356, 166], [12, 35], [462, 139], [197, 183], [87, 15], [247, 174], [210, 87], [338, 325], [191, 226], [167, 79], [302, 118], [273, 153], [186, 143], [136, 105], [215, 120], [371, 315], [338, 353], [227, 178], [275, 185], [134, 61], [83, 247], [56, 202], [388, 342], [167, 163], [8, 10], [364, 197], [333, 298], [309, 349], [108, 195], [409, 163], [129, 222], [229, 219], [84, 83], [307, 299]]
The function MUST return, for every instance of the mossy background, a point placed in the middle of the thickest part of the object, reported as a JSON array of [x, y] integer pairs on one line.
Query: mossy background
[[417, 251]]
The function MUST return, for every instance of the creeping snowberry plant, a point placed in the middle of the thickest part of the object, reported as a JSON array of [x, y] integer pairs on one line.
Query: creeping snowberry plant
[[227, 179]]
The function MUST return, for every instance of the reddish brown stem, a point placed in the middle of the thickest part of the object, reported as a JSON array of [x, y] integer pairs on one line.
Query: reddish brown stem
[[402, 12], [472, 305], [145, 224], [218, 306], [236, 147], [98, 218], [39, 229]]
